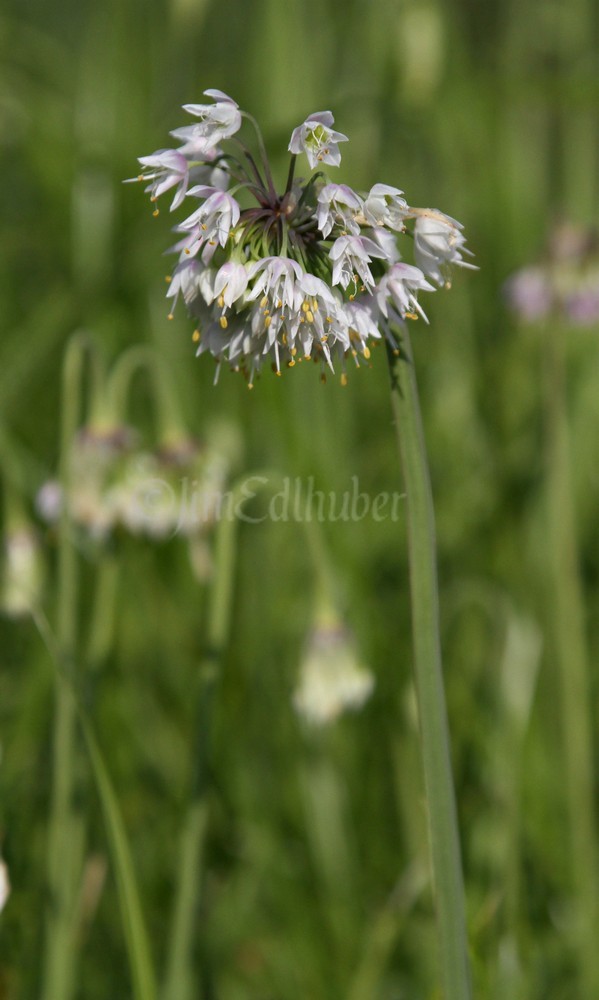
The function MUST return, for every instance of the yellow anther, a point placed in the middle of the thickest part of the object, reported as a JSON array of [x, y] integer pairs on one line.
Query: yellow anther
[[314, 305], [263, 301], [306, 357], [221, 301], [293, 351], [323, 340], [323, 378], [250, 385], [396, 352], [343, 379], [366, 353], [305, 306], [352, 297], [170, 316], [267, 321], [284, 339], [309, 316], [224, 322], [291, 364], [187, 250], [279, 304], [411, 315], [212, 243], [140, 177], [204, 226], [195, 336], [278, 373], [168, 279], [156, 212], [153, 198], [354, 353], [329, 319]]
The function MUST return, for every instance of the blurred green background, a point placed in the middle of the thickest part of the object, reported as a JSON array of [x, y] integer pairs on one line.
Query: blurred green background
[[315, 860]]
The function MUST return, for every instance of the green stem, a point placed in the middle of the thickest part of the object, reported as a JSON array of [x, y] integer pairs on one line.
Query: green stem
[[179, 984], [168, 411], [434, 736], [572, 663], [64, 854], [140, 962]]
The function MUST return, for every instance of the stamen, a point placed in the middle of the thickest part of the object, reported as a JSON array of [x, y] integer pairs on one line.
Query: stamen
[[343, 379], [195, 336], [170, 316], [224, 322]]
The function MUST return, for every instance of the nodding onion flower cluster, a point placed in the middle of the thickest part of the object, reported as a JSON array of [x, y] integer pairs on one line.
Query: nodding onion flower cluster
[[314, 272]]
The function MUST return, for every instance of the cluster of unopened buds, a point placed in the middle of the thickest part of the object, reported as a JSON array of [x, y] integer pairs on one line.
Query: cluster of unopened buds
[[312, 273], [564, 284], [115, 485]]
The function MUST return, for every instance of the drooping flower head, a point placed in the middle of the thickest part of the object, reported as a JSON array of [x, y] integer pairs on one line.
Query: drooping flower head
[[313, 273]]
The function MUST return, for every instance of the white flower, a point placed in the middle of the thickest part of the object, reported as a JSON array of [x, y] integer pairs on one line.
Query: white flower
[[351, 256], [318, 140], [361, 319], [387, 242], [319, 326], [384, 206], [4, 884], [400, 284], [217, 122], [438, 241], [230, 283], [211, 222], [338, 203], [331, 678], [186, 281], [277, 278], [164, 169], [22, 572]]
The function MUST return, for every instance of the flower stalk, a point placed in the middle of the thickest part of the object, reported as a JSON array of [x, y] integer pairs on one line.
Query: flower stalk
[[434, 736], [65, 827], [572, 661]]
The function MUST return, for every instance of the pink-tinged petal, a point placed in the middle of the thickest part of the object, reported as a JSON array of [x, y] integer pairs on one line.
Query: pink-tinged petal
[[220, 95]]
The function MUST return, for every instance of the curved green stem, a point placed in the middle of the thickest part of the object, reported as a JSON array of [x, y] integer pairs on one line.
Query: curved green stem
[[142, 972], [434, 737], [64, 833], [167, 405], [573, 665]]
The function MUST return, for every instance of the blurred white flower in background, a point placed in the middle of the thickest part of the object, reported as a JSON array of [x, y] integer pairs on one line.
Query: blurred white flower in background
[[331, 678]]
